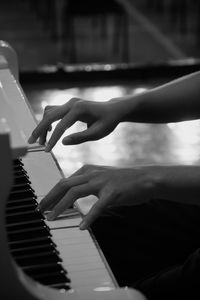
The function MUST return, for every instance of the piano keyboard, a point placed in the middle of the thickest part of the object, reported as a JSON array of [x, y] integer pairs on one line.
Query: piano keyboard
[[55, 253], [30, 240], [67, 261]]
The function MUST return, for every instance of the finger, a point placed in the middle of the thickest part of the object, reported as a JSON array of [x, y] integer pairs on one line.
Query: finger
[[64, 124], [59, 190], [43, 136], [84, 170], [94, 132], [93, 214], [44, 125], [67, 201], [105, 199]]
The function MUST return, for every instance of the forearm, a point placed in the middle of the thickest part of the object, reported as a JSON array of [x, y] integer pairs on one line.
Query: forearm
[[175, 101], [177, 183]]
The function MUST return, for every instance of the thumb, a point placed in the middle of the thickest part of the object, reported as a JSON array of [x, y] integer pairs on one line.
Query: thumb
[[91, 134], [107, 196], [92, 215]]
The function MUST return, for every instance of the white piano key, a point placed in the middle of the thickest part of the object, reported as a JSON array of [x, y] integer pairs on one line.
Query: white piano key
[[91, 279], [72, 241], [74, 232], [77, 251], [90, 265], [42, 170], [64, 223], [81, 258]]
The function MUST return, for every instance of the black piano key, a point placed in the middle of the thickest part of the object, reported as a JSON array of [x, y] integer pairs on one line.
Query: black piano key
[[33, 250], [28, 235], [21, 202], [27, 216], [19, 168], [21, 179], [28, 225], [61, 286], [21, 188], [51, 275], [30, 243], [52, 278], [40, 259], [36, 270], [19, 173], [21, 208], [19, 195], [17, 162]]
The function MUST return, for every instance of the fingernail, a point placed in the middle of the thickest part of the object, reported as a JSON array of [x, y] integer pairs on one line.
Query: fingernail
[[51, 216], [31, 140], [83, 225], [38, 207], [67, 140], [48, 148]]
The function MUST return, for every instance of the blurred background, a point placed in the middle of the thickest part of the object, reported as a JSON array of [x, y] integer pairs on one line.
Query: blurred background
[[100, 49], [50, 32]]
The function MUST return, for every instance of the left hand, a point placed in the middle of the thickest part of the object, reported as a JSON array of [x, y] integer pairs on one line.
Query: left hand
[[112, 186]]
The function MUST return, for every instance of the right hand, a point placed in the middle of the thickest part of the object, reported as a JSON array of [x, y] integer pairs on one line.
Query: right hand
[[112, 187], [101, 119]]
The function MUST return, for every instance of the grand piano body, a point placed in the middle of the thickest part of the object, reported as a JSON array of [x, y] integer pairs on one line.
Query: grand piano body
[[79, 257]]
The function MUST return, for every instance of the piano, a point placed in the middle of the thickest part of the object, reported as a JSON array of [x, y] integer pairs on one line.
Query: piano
[[41, 259]]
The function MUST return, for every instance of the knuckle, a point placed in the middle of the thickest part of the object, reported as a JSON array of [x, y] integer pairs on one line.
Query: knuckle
[[79, 106], [62, 183], [59, 128], [48, 117], [34, 133], [87, 168], [72, 101], [74, 190], [95, 174], [47, 108], [99, 205]]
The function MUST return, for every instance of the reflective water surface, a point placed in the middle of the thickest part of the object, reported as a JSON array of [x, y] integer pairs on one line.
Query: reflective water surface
[[130, 143]]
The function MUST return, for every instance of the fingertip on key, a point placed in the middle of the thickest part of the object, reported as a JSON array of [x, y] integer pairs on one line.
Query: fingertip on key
[[31, 140], [83, 225], [67, 140], [48, 148], [51, 216], [38, 207]]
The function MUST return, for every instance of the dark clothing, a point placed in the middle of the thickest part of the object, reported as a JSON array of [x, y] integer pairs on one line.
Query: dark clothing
[[153, 247]]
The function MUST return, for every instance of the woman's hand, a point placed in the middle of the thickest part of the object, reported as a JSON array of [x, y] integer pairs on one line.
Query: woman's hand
[[101, 119], [112, 186]]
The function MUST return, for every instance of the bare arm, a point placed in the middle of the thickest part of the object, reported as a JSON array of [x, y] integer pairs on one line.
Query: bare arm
[[175, 101], [179, 183]]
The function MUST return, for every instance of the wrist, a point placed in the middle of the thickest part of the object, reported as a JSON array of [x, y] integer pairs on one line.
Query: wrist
[[129, 108], [122, 108], [154, 181]]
